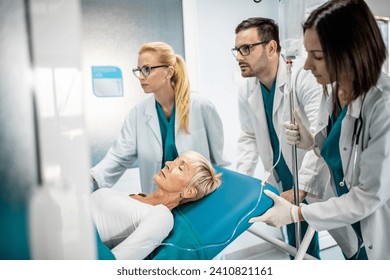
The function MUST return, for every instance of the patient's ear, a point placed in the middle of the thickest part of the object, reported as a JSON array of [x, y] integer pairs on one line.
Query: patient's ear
[[190, 192]]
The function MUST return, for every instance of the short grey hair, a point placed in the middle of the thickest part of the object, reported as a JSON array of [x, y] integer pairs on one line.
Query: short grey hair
[[205, 179]]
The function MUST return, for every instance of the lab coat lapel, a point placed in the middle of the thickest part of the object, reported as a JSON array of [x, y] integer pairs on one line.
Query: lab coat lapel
[[323, 117], [280, 87], [151, 119], [356, 107], [256, 103]]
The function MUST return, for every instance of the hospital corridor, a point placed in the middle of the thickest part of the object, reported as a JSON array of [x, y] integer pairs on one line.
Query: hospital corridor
[[103, 101]]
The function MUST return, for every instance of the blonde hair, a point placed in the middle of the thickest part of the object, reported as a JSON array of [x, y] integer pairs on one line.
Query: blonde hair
[[180, 80], [205, 179]]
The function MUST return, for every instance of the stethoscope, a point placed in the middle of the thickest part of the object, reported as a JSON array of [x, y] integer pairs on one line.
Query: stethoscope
[[357, 129]]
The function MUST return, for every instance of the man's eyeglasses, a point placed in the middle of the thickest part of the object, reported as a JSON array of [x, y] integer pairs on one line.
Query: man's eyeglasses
[[146, 70], [245, 50]]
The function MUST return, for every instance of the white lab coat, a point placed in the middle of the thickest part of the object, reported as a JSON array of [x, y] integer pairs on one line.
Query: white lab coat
[[368, 199], [254, 141], [140, 142]]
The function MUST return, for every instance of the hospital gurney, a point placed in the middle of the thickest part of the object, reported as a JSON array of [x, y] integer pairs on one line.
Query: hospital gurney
[[202, 229]]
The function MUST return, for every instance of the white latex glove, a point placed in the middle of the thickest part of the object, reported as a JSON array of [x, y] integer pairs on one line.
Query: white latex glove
[[282, 213], [298, 134]]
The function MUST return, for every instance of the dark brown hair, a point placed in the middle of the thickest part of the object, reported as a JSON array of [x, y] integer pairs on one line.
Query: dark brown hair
[[267, 29], [351, 42]]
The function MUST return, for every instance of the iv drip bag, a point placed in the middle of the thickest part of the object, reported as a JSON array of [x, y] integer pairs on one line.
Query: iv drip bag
[[291, 18]]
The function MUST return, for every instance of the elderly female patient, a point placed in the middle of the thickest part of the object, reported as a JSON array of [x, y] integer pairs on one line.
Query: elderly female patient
[[132, 226]]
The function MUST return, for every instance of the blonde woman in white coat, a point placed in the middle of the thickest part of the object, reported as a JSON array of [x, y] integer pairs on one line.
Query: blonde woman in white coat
[[168, 123], [356, 142]]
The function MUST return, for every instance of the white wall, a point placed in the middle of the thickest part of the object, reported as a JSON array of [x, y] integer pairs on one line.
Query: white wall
[[379, 7]]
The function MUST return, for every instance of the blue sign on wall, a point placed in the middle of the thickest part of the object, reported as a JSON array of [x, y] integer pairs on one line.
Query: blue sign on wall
[[107, 81]]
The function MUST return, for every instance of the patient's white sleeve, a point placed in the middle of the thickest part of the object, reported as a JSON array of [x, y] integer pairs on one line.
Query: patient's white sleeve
[[130, 228]]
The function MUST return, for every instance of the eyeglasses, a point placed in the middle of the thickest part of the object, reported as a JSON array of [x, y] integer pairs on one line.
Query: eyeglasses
[[146, 70], [245, 50]]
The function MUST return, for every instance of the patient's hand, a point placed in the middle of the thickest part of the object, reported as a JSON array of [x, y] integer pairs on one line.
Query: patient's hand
[[289, 195]]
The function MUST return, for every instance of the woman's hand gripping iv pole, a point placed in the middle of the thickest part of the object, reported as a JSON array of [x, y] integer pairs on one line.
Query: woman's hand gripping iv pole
[[297, 134]]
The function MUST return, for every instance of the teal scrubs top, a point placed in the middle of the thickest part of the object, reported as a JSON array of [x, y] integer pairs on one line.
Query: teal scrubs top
[[281, 168], [331, 153], [283, 171], [167, 129]]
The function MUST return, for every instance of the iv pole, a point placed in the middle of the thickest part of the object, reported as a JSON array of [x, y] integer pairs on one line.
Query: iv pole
[[291, 13], [289, 65]]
